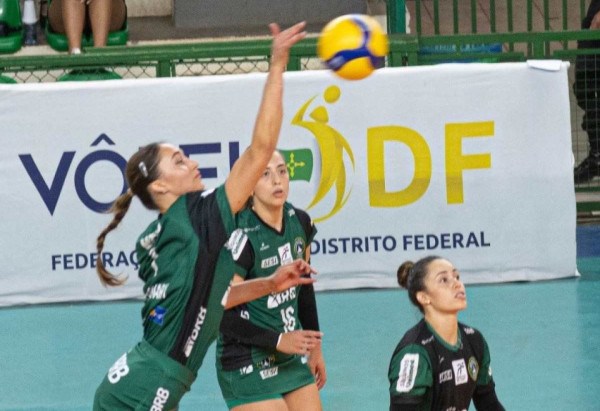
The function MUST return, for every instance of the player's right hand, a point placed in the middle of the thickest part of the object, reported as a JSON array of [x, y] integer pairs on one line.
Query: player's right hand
[[299, 342]]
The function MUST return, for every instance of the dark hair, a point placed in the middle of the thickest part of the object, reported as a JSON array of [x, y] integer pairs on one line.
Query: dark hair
[[412, 277], [141, 170]]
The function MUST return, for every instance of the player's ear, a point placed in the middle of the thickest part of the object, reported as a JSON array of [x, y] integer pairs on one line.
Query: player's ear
[[158, 187], [423, 298]]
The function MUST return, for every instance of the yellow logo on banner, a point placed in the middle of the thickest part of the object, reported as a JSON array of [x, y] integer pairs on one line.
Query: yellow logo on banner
[[332, 146], [338, 164]]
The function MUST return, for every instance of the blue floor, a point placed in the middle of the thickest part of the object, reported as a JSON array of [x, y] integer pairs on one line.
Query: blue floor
[[544, 338]]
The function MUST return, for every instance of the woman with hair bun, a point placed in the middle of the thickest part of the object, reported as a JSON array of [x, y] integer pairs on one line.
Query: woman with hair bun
[[440, 363]]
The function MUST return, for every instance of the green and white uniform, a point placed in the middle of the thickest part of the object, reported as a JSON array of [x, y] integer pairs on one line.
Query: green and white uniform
[[186, 268], [248, 370], [426, 373]]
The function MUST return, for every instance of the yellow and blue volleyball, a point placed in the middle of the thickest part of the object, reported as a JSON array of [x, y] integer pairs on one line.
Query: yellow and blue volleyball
[[353, 46]]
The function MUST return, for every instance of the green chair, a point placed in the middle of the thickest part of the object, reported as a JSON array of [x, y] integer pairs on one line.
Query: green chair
[[11, 31], [7, 80], [59, 42], [89, 75]]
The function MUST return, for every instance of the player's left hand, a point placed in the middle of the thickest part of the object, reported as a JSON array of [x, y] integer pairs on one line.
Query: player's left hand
[[316, 363]]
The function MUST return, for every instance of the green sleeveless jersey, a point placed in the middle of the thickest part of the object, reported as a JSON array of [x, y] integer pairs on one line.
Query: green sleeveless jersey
[[186, 270], [263, 252]]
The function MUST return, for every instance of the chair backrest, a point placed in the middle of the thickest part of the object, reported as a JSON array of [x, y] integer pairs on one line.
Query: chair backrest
[[10, 13]]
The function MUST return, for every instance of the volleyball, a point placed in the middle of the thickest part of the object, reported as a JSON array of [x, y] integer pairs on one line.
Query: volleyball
[[353, 46]]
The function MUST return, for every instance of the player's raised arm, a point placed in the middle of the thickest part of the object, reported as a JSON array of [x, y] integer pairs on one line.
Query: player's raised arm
[[249, 167]]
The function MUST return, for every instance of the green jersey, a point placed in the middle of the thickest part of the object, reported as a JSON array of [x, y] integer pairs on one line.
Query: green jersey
[[264, 251], [427, 371], [186, 267], [178, 255], [249, 368]]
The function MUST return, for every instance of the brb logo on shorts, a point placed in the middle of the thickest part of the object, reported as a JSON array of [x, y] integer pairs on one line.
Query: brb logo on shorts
[[335, 156]]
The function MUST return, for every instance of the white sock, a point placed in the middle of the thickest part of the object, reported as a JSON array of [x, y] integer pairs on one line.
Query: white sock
[[75, 50]]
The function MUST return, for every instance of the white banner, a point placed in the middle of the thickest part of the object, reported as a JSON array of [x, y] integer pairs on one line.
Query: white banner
[[468, 161]]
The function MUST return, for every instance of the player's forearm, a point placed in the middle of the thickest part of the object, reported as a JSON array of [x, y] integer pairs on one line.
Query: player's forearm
[[242, 330], [307, 308], [269, 119], [248, 290]]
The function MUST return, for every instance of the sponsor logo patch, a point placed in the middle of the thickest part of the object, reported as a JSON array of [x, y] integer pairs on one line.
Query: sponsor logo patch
[[285, 254], [275, 300], [246, 370], [269, 373], [265, 362], [445, 376], [157, 291], [189, 345], [460, 371], [237, 241], [162, 395], [269, 262], [408, 372], [157, 315], [427, 340]]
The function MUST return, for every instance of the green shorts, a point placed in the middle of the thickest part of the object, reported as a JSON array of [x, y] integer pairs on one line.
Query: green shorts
[[143, 379], [251, 384]]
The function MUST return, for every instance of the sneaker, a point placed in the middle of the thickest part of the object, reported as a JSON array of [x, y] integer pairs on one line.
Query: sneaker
[[588, 169]]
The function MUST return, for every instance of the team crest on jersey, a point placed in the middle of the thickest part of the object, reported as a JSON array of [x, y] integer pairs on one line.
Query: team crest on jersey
[[285, 254], [269, 262], [473, 368], [157, 315], [460, 371], [299, 247], [408, 372]]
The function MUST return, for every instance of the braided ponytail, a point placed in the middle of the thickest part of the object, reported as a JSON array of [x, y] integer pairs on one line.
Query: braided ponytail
[[119, 209], [141, 170]]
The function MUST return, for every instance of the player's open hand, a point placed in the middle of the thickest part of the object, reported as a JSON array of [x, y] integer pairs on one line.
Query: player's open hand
[[283, 41]]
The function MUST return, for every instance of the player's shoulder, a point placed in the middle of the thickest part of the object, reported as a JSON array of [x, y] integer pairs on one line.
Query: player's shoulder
[[474, 337], [293, 211], [419, 334], [470, 332]]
